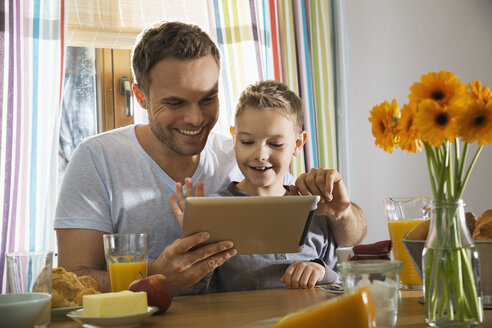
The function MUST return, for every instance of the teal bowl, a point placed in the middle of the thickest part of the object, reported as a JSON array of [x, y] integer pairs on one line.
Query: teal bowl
[[22, 310]]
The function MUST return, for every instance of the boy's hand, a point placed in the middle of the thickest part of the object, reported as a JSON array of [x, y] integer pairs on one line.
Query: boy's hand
[[329, 185], [177, 201], [303, 274]]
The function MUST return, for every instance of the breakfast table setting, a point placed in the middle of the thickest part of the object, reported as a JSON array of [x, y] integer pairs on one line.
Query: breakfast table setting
[[257, 308], [434, 271]]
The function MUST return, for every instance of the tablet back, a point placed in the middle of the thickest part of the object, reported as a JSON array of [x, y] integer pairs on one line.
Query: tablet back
[[256, 225]]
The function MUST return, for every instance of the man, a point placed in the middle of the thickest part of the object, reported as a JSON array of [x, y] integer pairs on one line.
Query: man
[[120, 181]]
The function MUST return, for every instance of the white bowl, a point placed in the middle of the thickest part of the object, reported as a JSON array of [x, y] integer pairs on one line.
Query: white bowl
[[22, 310]]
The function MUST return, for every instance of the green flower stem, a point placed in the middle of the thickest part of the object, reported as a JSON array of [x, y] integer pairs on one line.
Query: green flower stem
[[442, 171], [431, 163], [470, 286], [470, 167], [449, 171], [456, 162], [462, 163]]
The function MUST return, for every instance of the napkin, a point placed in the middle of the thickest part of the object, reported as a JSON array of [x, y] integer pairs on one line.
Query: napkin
[[376, 251]]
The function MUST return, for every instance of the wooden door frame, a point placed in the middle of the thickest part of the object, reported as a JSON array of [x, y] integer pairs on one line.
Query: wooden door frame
[[111, 64]]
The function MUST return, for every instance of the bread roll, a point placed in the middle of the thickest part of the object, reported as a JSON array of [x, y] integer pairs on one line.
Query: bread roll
[[68, 289], [470, 221], [58, 300], [79, 296], [67, 285], [89, 282], [483, 226], [419, 232]]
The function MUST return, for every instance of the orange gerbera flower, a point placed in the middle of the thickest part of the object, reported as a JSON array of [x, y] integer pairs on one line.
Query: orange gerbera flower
[[443, 87], [475, 122], [477, 91], [436, 123], [406, 130], [383, 119]]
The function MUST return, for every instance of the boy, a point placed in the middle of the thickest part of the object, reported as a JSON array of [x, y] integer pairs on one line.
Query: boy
[[267, 133]]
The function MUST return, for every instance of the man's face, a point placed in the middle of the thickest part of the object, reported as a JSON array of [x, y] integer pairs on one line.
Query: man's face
[[183, 104], [264, 143]]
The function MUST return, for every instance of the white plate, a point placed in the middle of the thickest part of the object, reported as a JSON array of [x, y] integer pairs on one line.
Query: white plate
[[128, 321], [59, 313]]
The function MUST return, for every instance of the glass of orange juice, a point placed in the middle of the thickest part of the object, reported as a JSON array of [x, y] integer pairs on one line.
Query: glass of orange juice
[[126, 257], [402, 214]]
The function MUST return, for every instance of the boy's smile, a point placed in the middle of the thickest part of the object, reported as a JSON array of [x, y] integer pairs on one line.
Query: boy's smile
[[265, 141]]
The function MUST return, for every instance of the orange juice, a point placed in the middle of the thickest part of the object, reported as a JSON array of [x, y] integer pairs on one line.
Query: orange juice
[[123, 274], [408, 275]]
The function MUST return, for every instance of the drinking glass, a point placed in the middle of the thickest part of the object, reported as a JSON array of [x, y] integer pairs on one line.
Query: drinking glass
[[30, 272], [126, 257]]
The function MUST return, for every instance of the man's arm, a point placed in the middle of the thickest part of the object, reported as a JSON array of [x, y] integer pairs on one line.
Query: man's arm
[[81, 251], [346, 219], [350, 228]]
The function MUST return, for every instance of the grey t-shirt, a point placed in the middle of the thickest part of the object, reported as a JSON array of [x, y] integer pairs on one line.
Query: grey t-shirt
[[113, 185], [259, 271]]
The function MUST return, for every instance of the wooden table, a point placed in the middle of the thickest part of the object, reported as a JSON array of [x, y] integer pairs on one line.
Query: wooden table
[[242, 308]]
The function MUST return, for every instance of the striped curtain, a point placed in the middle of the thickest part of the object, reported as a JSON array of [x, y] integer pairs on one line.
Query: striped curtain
[[31, 57], [289, 41]]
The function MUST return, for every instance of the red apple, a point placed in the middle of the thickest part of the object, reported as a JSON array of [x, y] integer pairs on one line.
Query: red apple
[[158, 288]]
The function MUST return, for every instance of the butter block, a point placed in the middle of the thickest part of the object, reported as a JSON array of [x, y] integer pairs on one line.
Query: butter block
[[115, 304]]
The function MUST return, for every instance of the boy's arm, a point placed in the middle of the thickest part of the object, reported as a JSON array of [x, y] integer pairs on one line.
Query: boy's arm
[[346, 219]]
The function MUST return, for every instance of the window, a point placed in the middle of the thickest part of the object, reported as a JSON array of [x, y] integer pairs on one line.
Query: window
[[91, 98], [79, 103]]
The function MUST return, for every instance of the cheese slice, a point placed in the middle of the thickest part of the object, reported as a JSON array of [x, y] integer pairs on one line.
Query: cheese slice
[[352, 309], [115, 304]]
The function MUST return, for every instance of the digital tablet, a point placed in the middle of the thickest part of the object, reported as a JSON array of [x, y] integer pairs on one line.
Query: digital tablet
[[255, 224]]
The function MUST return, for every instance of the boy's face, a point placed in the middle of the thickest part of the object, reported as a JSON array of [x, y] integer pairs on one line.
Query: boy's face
[[183, 103], [264, 143]]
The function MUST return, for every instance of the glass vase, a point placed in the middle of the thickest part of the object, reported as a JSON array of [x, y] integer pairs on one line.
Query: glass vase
[[451, 269]]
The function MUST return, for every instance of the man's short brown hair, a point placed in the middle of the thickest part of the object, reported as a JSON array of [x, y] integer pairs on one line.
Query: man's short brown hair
[[274, 95], [169, 39]]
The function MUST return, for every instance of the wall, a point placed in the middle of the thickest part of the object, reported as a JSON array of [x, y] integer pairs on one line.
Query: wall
[[392, 43]]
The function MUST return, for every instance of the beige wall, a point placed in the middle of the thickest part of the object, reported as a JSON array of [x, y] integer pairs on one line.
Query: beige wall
[[392, 43]]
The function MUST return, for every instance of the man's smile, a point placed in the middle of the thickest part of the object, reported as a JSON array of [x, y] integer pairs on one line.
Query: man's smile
[[190, 132]]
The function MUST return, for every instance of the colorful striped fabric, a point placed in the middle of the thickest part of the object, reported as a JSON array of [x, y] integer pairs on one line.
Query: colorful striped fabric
[[290, 41], [341, 90], [31, 57]]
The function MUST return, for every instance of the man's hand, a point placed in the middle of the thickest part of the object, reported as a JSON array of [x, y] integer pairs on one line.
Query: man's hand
[[180, 265], [328, 184], [184, 267], [177, 201], [346, 219], [303, 274]]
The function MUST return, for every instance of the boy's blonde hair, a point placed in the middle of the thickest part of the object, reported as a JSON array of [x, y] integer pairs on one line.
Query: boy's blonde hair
[[272, 95]]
